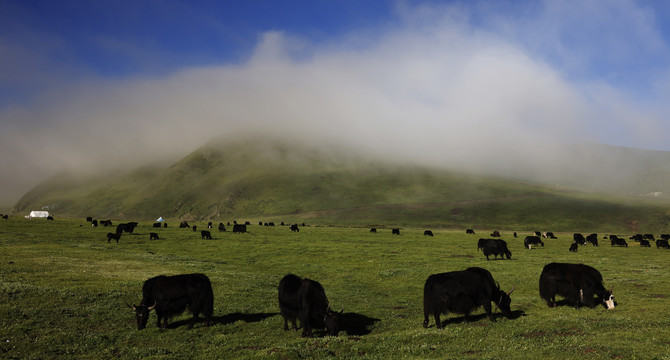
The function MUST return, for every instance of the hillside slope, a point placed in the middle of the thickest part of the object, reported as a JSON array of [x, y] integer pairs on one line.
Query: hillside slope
[[278, 181]]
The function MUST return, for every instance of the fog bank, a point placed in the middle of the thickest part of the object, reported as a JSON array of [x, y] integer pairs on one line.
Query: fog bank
[[436, 91]]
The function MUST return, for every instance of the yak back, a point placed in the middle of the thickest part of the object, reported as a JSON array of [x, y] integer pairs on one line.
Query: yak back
[[172, 294], [459, 291], [568, 277]]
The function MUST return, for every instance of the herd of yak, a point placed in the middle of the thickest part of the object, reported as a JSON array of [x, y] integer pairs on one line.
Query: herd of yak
[[458, 292]]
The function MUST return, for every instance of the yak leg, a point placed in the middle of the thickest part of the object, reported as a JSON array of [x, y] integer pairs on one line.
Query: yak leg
[[438, 323], [193, 319], [551, 296], [305, 321], [487, 308], [587, 297]]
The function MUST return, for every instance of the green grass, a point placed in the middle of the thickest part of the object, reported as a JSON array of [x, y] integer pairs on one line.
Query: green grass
[[64, 290]]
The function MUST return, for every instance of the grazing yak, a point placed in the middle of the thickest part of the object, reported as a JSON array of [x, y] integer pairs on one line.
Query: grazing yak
[[171, 295], [153, 236], [373, 230], [573, 247], [294, 228], [395, 231], [462, 292], [239, 228], [157, 225], [206, 235], [428, 233], [115, 236], [617, 241], [184, 224], [644, 243], [577, 283], [469, 231], [306, 300], [496, 247], [532, 240], [579, 238], [222, 227], [593, 239], [662, 244], [126, 227], [495, 233]]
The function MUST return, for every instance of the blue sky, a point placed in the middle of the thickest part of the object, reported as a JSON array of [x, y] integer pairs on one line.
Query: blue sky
[[429, 77]]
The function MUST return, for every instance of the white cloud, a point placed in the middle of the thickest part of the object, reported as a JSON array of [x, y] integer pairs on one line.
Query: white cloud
[[439, 92]]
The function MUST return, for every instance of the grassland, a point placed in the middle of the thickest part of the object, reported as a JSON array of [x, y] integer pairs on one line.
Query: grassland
[[64, 290]]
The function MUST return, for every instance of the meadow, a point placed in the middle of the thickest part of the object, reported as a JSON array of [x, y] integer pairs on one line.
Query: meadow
[[64, 293]]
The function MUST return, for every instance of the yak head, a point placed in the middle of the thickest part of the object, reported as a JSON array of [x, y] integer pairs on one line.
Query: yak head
[[608, 299], [508, 254], [332, 321], [142, 314], [505, 301]]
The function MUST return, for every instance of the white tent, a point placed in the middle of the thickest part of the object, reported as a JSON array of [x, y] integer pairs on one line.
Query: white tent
[[38, 214], [160, 219]]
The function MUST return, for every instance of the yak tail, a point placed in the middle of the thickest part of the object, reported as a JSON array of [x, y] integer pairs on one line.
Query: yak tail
[[429, 300], [544, 286]]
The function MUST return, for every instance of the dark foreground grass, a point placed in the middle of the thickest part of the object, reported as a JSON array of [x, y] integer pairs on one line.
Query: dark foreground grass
[[64, 290]]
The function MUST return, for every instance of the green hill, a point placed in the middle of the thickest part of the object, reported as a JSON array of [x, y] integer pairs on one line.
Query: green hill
[[280, 181]]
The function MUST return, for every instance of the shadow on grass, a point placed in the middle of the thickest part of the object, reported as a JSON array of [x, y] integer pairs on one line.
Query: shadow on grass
[[353, 324], [357, 324], [225, 319], [462, 319]]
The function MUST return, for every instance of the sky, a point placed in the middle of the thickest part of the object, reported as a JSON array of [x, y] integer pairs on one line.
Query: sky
[[90, 85]]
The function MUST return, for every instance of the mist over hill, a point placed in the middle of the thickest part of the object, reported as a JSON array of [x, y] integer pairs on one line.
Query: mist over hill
[[279, 180]]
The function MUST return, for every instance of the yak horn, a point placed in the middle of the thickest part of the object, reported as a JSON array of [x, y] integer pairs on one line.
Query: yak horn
[[131, 306], [511, 291], [153, 306]]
